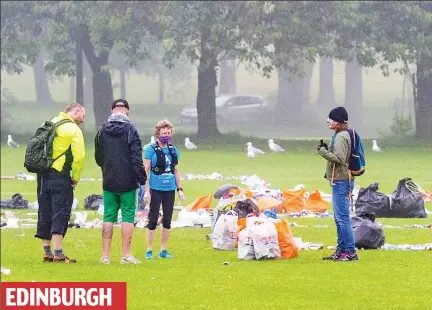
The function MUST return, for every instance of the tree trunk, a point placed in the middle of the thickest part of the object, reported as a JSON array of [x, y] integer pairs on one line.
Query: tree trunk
[[71, 89], [122, 82], [307, 81], [43, 95], [102, 83], [227, 76], [88, 84], [423, 108], [206, 98], [354, 94], [79, 95], [326, 94], [102, 96], [291, 97], [161, 77]]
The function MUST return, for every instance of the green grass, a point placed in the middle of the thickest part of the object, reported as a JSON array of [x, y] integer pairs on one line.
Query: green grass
[[196, 278]]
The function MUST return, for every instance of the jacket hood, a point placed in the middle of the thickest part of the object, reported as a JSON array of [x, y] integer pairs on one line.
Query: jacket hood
[[117, 125]]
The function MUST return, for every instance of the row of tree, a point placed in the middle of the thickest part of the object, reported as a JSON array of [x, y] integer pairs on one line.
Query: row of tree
[[282, 36]]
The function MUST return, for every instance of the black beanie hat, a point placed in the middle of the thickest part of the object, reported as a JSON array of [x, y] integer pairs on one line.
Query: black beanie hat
[[339, 115], [120, 103]]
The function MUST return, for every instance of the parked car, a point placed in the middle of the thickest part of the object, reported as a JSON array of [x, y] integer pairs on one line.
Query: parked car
[[231, 108]]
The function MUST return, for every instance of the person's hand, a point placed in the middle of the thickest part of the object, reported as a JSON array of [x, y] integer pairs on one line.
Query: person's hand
[[322, 144], [74, 183], [147, 197], [181, 196]]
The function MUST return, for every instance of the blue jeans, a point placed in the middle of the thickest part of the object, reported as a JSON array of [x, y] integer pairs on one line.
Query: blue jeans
[[341, 209]]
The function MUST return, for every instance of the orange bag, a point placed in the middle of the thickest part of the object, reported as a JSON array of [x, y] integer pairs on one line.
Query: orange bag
[[265, 203], [286, 241], [315, 203], [203, 202], [293, 200], [241, 224]]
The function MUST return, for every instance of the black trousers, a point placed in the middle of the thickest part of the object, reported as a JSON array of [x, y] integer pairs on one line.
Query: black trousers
[[55, 199], [166, 198]]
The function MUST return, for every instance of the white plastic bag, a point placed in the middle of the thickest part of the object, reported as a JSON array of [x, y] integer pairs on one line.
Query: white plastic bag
[[204, 218], [245, 245], [265, 240], [225, 231]]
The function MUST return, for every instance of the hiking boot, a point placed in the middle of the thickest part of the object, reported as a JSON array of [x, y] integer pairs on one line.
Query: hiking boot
[[149, 254], [65, 259], [347, 257], [334, 256], [165, 254], [48, 258], [105, 260], [130, 259]]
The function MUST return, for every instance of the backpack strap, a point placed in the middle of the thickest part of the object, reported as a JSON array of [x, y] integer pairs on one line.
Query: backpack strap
[[56, 125]]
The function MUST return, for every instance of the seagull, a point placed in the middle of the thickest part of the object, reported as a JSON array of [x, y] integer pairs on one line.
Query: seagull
[[250, 154], [375, 146], [274, 147], [152, 140], [11, 142], [189, 145], [253, 149]]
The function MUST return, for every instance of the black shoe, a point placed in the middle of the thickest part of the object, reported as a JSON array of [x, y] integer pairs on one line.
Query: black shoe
[[334, 256], [65, 259]]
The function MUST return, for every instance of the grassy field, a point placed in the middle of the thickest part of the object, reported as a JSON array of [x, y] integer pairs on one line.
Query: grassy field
[[196, 278]]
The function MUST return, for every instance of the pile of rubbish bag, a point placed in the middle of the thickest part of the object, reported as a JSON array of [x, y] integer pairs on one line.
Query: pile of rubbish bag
[[93, 202], [405, 202], [296, 201], [255, 237], [17, 202]]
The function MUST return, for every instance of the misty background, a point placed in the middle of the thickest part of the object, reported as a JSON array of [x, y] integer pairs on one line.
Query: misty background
[[166, 58]]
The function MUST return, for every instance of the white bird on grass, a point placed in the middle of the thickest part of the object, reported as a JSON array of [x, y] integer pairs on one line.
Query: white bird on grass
[[274, 147], [11, 142], [250, 154], [189, 145], [375, 146], [252, 149], [152, 140]]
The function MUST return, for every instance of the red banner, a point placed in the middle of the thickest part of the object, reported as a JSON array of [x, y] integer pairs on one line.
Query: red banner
[[63, 295]]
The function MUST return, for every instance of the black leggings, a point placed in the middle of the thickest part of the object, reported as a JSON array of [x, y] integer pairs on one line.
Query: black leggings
[[167, 199]]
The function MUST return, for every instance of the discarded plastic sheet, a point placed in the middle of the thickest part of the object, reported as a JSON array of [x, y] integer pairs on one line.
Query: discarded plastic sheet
[[408, 247]]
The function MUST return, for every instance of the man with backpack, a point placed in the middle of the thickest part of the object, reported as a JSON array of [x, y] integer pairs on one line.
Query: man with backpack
[[118, 152], [340, 171], [56, 153]]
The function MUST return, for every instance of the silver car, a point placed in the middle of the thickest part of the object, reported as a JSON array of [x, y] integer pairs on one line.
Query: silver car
[[231, 108]]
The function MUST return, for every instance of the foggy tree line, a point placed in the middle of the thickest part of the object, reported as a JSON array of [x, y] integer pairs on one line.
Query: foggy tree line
[[275, 37]]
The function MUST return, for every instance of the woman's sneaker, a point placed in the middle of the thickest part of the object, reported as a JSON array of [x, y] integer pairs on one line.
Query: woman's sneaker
[[334, 256], [165, 254], [347, 257], [130, 259], [105, 260], [149, 254]]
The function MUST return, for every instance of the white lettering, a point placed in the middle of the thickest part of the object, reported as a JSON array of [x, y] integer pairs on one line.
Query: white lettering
[[105, 296], [55, 298], [42, 296], [10, 296], [22, 296], [65, 294], [92, 299], [80, 297]]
